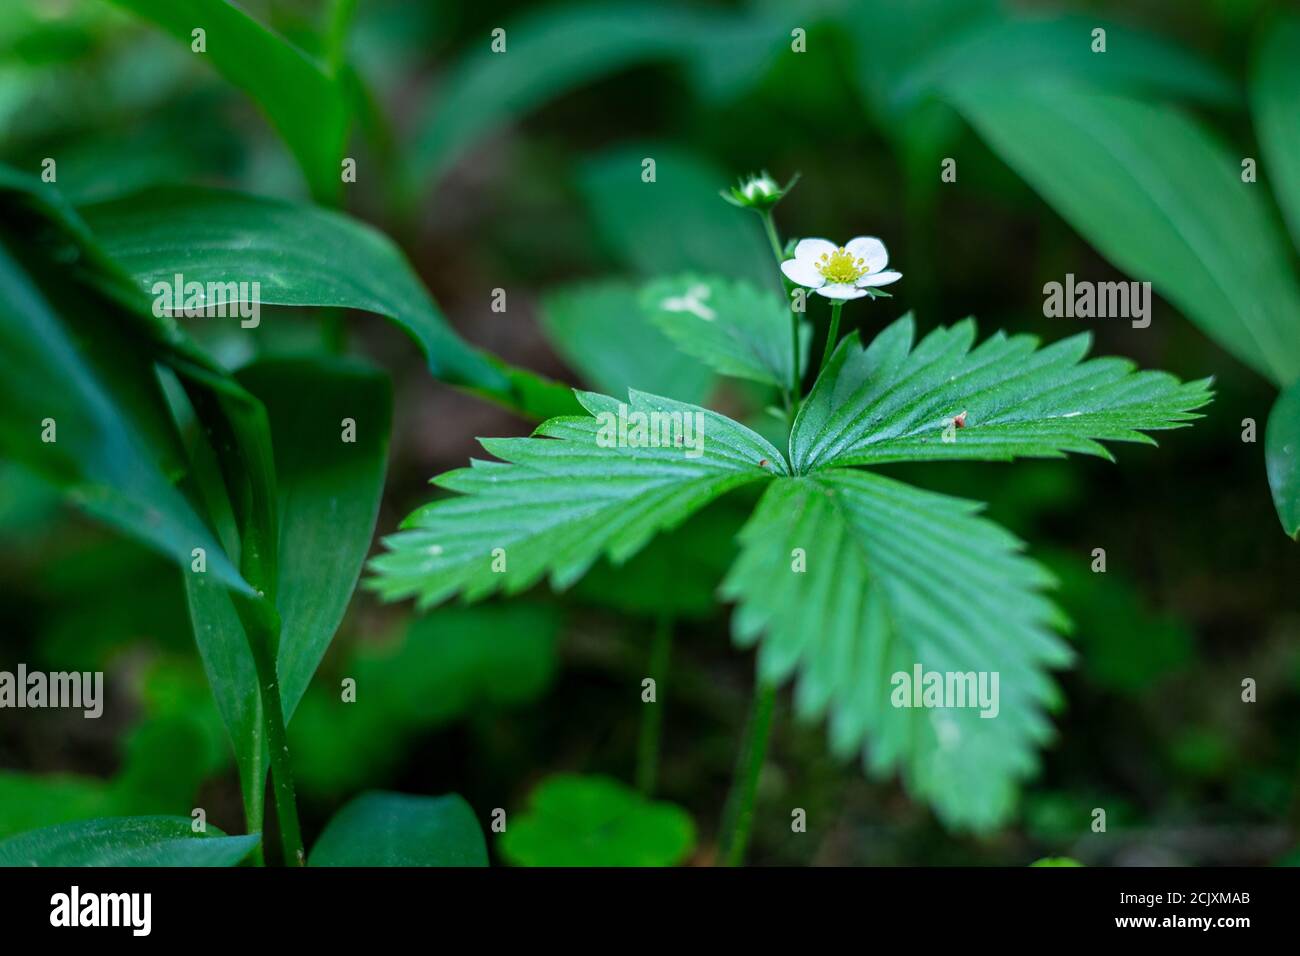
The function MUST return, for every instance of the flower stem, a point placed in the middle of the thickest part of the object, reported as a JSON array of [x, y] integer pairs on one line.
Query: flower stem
[[738, 817], [769, 227], [647, 760], [832, 334]]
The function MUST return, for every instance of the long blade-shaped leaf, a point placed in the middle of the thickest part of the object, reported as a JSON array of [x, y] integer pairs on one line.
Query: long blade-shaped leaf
[[1155, 194], [329, 491], [1004, 399], [1282, 457], [307, 106], [1032, 49], [850, 578], [301, 256], [126, 841], [1275, 91], [67, 372], [330, 422], [592, 486]]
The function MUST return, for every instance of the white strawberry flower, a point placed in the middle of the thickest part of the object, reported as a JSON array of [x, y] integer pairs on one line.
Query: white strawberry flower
[[840, 272]]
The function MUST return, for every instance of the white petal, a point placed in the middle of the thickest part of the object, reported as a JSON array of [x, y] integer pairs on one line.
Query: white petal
[[810, 250], [803, 273], [871, 249], [880, 278], [840, 290]]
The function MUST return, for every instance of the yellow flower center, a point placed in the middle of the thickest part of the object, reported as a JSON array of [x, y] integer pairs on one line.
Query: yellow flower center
[[840, 267]]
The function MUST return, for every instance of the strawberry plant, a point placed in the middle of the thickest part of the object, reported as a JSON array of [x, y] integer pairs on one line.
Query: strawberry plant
[[255, 272]]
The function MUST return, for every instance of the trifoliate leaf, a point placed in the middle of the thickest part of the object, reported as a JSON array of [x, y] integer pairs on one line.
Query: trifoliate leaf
[[602, 484], [733, 326], [850, 579], [1004, 399], [596, 821]]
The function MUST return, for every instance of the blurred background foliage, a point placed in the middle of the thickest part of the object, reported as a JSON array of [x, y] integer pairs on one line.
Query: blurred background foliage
[[521, 172]]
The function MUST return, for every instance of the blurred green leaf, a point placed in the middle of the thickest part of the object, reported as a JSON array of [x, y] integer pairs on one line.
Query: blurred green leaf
[[732, 327], [898, 578], [894, 401], [553, 51], [29, 801], [1028, 51], [596, 821], [1155, 194], [301, 256], [394, 829], [451, 664], [1275, 91], [1282, 458], [601, 331], [126, 841], [677, 223], [917, 31], [677, 573], [307, 105], [562, 499], [1124, 645], [1056, 861]]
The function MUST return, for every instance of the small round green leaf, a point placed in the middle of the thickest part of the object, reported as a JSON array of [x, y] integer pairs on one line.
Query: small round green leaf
[[596, 821], [394, 829]]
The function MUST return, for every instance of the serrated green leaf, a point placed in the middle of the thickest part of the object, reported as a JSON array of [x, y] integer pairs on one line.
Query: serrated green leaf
[[1282, 458], [1275, 90], [602, 332], [1161, 199], [301, 256], [732, 326], [596, 821], [895, 577], [308, 106], [395, 829], [892, 402], [557, 502], [126, 841]]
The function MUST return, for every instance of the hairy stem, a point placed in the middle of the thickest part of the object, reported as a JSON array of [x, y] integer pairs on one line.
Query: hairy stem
[[832, 334], [738, 818], [652, 720]]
